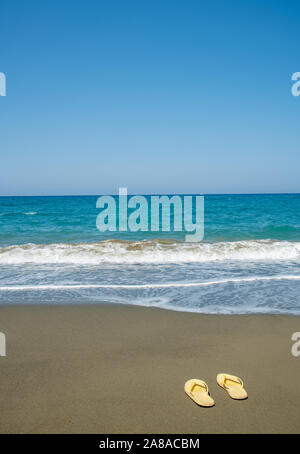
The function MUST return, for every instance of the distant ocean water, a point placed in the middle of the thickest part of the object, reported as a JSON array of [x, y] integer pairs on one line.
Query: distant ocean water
[[249, 262]]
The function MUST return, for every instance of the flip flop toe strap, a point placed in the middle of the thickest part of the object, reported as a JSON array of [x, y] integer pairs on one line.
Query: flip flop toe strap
[[231, 378], [202, 385]]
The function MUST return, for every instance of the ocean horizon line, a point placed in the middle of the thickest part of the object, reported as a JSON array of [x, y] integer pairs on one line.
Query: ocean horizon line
[[157, 193]]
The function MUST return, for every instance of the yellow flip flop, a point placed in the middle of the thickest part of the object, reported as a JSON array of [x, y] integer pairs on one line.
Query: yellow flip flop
[[197, 390], [233, 385]]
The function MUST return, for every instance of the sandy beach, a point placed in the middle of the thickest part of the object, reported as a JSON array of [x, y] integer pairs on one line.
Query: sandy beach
[[121, 369]]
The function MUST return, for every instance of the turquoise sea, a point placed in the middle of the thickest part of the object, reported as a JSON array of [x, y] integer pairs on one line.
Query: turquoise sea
[[249, 262]]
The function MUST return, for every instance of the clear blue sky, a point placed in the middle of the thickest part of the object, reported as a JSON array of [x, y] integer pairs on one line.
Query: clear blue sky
[[161, 96]]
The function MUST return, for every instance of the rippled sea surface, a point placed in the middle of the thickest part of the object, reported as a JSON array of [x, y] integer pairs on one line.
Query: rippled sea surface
[[249, 262]]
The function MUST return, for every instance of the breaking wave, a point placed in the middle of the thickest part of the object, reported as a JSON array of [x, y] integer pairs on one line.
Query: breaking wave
[[148, 252]]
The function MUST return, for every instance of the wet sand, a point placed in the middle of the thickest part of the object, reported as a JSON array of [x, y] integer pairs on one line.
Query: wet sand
[[121, 369]]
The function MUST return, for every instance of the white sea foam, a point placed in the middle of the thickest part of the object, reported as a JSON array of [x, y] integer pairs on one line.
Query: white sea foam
[[148, 252], [291, 277], [30, 213]]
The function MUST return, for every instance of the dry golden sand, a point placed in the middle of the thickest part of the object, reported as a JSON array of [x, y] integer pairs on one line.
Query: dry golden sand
[[120, 369]]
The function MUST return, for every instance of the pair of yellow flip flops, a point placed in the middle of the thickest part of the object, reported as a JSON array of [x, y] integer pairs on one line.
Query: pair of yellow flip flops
[[197, 389]]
